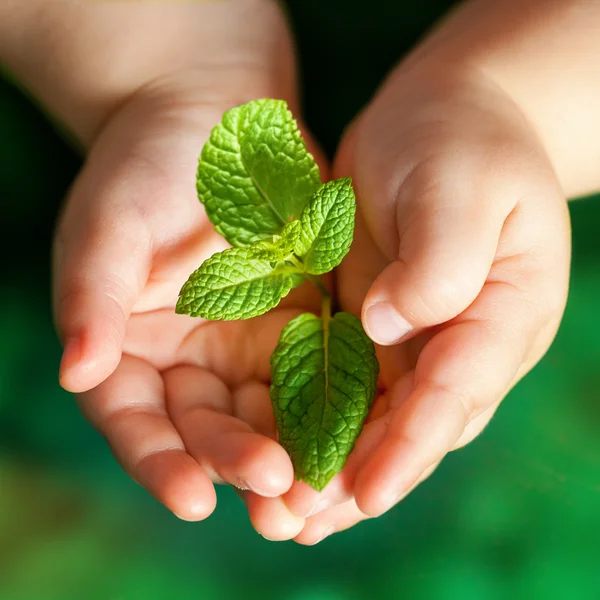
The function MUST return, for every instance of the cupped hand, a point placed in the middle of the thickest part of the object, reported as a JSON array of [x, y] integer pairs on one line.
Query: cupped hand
[[182, 402], [459, 269]]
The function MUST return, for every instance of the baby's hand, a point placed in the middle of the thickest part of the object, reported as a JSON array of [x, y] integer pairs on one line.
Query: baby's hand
[[182, 402], [459, 267]]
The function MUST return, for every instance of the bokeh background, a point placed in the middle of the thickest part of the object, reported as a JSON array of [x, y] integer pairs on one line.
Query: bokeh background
[[516, 514]]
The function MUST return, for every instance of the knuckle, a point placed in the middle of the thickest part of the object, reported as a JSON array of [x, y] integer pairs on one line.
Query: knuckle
[[459, 403], [424, 179], [438, 298]]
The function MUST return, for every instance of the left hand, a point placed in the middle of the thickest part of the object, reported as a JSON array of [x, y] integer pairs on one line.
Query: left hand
[[459, 267]]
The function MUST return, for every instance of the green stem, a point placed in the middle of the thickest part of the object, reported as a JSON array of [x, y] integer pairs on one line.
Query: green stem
[[326, 301], [314, 279], [318, 283], [326, 311]]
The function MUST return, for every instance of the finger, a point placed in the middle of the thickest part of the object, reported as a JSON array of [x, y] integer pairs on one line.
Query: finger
[[330, 521], [304, 501], [252, 405], [476, 426], [341, 517], [448, 236], [307, 502], [271, 517], [227, 448], [461, 372], [128, 409], [360, 267], [101, 262]]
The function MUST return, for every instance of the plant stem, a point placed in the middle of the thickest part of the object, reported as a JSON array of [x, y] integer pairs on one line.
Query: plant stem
[[316, 280], [326, 310], [318, 283], [326, 297]]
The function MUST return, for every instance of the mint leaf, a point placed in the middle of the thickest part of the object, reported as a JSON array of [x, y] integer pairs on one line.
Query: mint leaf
[[254, 173], [262, 192], [279, 247], [235, 285], [324, 377], [327, 226], [289, 236]]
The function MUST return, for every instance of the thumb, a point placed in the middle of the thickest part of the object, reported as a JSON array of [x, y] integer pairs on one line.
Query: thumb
[[448, 239], [101, 263], [434, 206]]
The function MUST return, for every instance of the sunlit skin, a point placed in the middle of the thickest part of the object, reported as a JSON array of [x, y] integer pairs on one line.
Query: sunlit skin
[[473, 246], [462, 242], [188, 403]]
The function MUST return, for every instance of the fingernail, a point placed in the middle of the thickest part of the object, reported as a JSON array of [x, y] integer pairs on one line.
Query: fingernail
[[385, 325], [320, 506], [71, 354], [186, 519], [196, 511], [325, 534], [244, 485]]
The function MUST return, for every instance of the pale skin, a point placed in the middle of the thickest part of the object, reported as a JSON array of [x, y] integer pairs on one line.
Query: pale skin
[[461, 162]]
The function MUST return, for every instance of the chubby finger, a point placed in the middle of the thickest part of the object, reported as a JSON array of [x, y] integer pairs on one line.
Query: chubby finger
[[304, 501], [330, 521], [252, 404], [229, 449], [307, 502], [476, 426], [424, 157], [341, 517], [128, 409], [448, 232], [102, 258], [271, 517], [462, 371]]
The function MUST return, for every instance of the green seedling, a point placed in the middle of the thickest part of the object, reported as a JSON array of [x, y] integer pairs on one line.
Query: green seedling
[[262, 191]]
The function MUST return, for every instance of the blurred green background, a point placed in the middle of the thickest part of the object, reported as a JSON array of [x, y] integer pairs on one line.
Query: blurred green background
[[516, 514]]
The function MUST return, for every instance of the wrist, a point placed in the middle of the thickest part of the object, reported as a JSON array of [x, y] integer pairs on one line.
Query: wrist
[[542, 55], [468, 103], [85, 61]]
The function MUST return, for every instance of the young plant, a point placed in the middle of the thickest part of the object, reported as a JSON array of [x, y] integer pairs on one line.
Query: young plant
[[263, 193]]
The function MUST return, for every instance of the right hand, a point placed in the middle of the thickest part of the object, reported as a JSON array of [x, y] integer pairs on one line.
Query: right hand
[[182, 402]]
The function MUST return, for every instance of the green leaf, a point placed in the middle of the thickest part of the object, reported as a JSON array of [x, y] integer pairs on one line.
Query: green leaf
[[279, 247], [327, 226], [254, 173], [235, 285], [324, 377]]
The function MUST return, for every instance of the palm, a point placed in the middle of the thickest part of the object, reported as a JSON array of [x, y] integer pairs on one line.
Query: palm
[[216, 397], [197, 399], [219, 367], [189, 401]]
